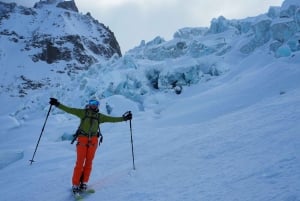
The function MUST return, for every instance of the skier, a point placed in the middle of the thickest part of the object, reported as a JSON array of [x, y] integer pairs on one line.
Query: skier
[[87, 140]]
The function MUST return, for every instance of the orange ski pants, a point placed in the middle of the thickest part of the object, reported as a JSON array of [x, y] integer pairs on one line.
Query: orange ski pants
[[86, 148]]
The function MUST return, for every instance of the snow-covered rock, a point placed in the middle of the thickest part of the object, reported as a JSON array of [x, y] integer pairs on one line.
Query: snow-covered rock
[[52, 37]]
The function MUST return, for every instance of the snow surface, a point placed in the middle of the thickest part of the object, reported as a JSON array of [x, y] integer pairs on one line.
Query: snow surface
[[233, 137], [223, 140]]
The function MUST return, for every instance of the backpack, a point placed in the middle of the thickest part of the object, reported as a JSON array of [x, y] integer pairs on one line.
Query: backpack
[[79, 131]]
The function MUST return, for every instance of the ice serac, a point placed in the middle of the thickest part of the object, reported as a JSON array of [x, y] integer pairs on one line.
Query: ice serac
[[279, 30]]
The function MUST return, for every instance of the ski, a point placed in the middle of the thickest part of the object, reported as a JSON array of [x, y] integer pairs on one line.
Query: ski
[[80, 196], [89, 191]]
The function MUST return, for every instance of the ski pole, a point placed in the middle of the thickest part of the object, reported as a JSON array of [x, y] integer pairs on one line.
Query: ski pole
[[132, 145], [31, 161]]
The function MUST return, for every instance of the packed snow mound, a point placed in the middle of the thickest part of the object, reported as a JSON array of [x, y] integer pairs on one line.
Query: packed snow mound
[[8, 157]]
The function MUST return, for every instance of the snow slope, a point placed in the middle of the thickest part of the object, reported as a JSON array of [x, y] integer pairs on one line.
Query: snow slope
[[235, 140], [229, 137]]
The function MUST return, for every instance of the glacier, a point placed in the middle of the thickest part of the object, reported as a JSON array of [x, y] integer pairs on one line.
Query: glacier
[[216, 115]]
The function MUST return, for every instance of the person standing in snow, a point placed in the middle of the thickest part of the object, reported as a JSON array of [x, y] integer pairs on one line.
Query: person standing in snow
[[87, 140]]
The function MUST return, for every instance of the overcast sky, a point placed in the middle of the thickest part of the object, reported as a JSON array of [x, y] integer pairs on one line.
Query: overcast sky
[[136, 20]]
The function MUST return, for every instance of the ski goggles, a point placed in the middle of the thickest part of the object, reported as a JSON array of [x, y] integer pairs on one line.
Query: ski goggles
[[94, 102]]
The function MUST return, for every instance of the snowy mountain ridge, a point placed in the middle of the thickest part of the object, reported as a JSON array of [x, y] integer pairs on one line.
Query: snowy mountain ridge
[[49, 40]]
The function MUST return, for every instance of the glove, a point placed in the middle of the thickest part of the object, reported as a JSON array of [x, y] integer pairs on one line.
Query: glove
[[54, 101], [127, 116]]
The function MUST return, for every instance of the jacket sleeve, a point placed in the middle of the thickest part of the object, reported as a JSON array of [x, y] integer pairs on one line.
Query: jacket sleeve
[[104, 118], [74, 111]]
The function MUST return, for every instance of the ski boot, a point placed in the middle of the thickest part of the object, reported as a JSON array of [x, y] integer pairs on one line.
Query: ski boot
[[76, 191], [83, 187]]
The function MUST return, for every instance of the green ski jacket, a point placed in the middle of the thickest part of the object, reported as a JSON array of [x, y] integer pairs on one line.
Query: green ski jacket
[[89, 119]]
